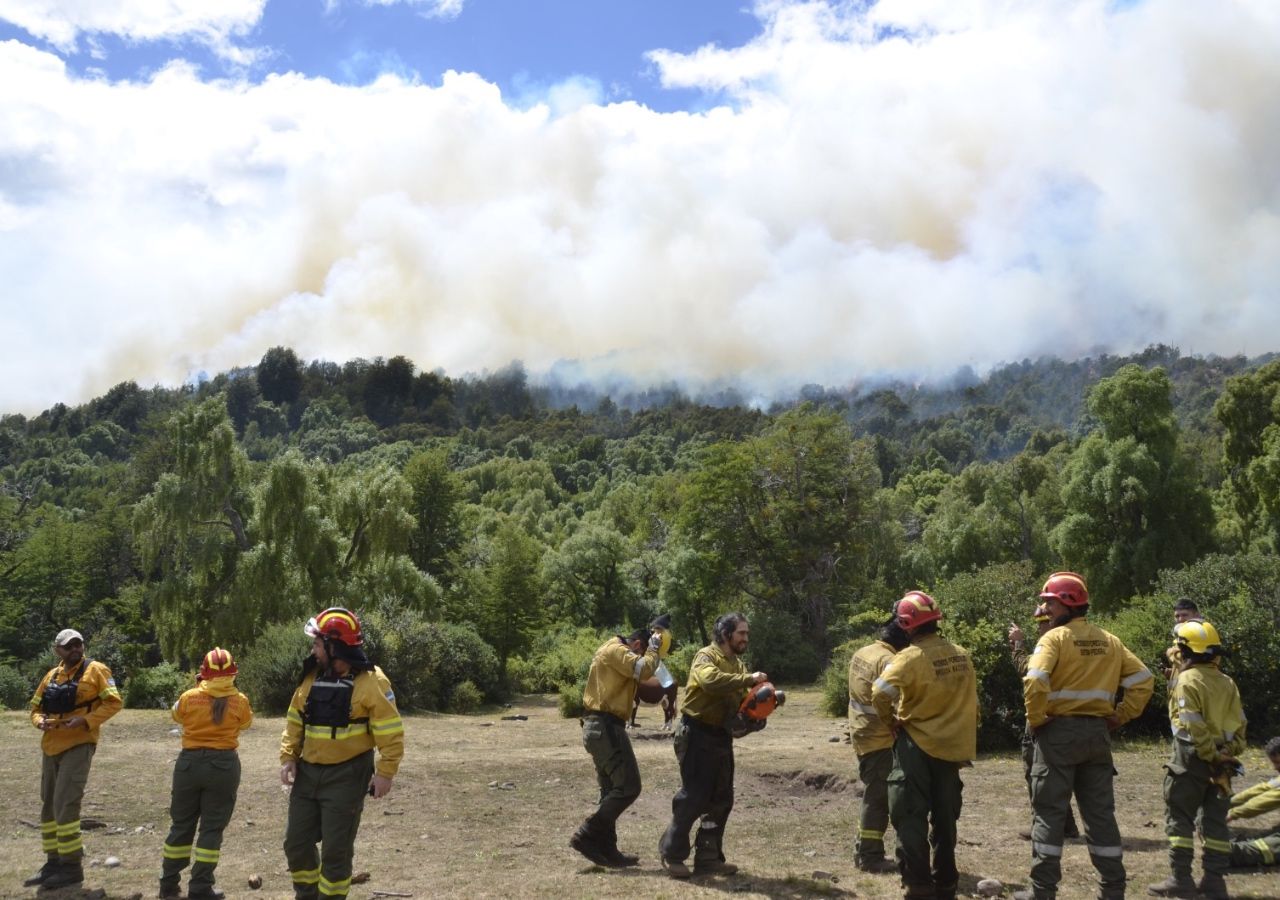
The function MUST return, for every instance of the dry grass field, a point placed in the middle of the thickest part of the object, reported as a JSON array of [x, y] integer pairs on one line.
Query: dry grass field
[[483, 807]]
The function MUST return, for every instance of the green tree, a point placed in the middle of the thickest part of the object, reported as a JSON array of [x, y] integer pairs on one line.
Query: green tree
[[437, 494], [280, 375], [1135, 504]]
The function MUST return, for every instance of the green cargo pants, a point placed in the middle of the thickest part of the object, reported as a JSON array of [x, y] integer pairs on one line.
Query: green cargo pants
[[205, 783], [924, 806], [1194, 803], [63, 777], [1073, 756], [605, 738], [705, 754], [325, 805], [873, 812], [1263, 851]]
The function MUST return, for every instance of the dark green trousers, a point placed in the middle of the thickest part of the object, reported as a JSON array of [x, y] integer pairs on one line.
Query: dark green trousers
[[705, 754], [1073, 756], [325, 805], [873, 811], [1263, 851], [924, 806], [1028, 757], [617, 773], [1192, 802], [205, 783], [63, 777]]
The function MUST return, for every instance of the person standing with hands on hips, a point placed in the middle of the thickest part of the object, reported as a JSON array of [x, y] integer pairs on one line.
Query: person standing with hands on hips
[[206, 776], [718, 682], [343, 709], [69, 707]]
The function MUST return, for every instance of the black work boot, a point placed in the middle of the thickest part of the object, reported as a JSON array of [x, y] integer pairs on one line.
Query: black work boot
[[42, 873], [877, 865], [1174, 886], [1213, 886], [707, 857], [585, 842], [68, 873], [170, 890], [609, 843], [209, 892]]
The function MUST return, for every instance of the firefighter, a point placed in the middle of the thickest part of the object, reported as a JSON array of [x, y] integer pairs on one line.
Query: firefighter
[[1183, 611], [617, 667], [873, 746], [1262, 797], [69, 707], [1208, 735], [718, 682], [1018, 650], [206, 775], [930, 693], [343, 709], [1069, 691]]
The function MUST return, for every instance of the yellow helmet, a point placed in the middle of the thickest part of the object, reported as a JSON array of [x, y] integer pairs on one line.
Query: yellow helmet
[[1198, 637]]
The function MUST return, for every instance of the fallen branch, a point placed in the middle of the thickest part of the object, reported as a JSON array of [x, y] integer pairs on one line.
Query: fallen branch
[[389, 894]]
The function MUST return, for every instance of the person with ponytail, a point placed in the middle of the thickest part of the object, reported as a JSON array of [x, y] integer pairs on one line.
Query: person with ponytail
[[205, 777]]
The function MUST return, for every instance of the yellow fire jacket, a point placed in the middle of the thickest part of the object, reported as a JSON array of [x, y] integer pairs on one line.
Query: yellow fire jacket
[[97, 688], [372, 700], [193, 712], [869, 731], [1076, 670], [931, 688], [1260, 798], [612, 679], [1209, 715], [716, 688]]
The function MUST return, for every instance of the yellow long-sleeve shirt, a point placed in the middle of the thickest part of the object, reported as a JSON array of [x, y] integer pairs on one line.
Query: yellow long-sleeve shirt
[[717, 686], [371, 699], [1257, 799], [615, 672], [193, 711], [1209, 715], [1076, 670], [869, 731], [97, 688], [931, 688]]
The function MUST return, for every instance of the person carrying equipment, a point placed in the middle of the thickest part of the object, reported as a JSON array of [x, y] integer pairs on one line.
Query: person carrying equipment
[[1254, 801], [1069, 691], [1208, 735], [343, 709], [69, 706], [617, 667], [1018, 650], [873, 747], [718, 683], [206, 776]]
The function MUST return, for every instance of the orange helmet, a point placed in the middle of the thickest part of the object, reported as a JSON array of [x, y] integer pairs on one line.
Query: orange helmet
[[1067, 588], [916, 608], [762, 700], [217, 664], [337, 623]]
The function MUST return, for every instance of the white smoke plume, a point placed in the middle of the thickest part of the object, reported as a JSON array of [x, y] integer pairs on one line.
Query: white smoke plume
[[900, 188]]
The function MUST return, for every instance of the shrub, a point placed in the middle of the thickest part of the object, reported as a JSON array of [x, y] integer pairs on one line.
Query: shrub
[[15, 690], [156, 688], [466, 697], [426, 661], [835, 679], [270, 668], [779, 648], [556, 658], [571, 699]]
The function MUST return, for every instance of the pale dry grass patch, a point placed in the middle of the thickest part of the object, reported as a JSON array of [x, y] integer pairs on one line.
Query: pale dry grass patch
[[451, 828]]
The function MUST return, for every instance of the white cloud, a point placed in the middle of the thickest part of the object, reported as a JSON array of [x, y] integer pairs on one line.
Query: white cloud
[[63, 22], [1002, 179], [436, 9]]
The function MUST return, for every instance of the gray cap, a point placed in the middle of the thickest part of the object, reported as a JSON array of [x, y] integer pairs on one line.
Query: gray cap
[[66, 636]]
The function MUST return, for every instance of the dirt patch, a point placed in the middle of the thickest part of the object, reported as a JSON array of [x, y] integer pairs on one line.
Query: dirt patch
[[800, 783]]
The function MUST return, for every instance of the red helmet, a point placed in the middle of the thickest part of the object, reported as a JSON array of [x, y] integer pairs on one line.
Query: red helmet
[[761, 700], [217, 664], [1067, 588], [916, 608], [336, 623]]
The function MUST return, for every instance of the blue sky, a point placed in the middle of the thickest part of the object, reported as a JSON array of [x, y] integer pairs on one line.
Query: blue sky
[[772, 192], [523, 46]]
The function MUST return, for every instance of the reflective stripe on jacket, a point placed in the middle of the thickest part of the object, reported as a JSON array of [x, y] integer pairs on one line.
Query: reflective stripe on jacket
[[1209, 715], [97, 689], [868, 730], [371, 699], [1261, 798], [932, 689], [1076, 670]]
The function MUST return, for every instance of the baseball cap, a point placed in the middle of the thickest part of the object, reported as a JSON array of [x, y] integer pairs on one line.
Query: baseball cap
[[66, 636]]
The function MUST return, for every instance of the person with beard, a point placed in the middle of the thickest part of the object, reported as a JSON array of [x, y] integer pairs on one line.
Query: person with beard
[[1021, 660], [206, 776], [873, 746], [343, 709], [69, 707], [1069, 691]]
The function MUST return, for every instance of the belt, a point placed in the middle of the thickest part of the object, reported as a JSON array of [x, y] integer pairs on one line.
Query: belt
[[608, 717], [699, 725]]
